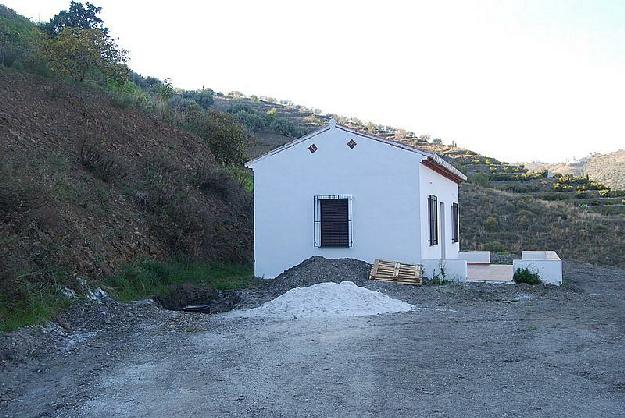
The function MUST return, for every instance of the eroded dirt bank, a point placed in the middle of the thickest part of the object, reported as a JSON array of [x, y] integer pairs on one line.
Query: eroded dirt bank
[[466, 350]]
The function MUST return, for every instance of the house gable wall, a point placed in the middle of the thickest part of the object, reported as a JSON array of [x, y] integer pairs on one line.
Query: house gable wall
[[383, 181]]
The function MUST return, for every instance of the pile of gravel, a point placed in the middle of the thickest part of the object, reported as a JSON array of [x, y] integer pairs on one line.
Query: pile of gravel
[[327, 300], [319, 270], [309, 272]]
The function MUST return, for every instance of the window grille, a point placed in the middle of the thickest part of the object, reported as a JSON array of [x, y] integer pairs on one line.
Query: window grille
[[433, 218], [333, 221], [455, 217]]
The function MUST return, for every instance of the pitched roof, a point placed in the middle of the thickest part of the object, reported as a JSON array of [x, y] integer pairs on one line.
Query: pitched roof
[[433, 161]]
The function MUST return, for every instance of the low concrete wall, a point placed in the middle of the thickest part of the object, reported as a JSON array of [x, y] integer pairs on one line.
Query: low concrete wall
[[481, 257], [449, 269], [546, 264], [539, 255]]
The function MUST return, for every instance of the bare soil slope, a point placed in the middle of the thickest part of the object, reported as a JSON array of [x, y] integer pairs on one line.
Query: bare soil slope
[[87, 185]]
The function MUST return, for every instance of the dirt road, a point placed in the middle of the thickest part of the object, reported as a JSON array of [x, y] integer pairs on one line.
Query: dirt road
[[478, 350]]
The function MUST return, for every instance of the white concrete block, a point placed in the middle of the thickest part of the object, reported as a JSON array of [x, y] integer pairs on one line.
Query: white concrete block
[[449, 269], [481, 257], [548, 269]]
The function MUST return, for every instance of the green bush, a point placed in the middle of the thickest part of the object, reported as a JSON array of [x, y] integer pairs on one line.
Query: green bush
[[129, 94], [244, 176], [562, 187], [526, 276], [203, 97], [285, 127], [183, 222], [29, 303], [480, 179], [616, 193], [226, 139], [216, 180], [437, 281], [494, 246], [491, 223], [21, 43]]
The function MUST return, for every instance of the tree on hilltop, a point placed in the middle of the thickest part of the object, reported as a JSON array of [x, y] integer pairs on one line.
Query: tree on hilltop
[[79, 46], [80, 53], [78, 16]]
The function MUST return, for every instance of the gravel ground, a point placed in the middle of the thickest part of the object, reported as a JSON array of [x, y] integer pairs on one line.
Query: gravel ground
[[467, 350]]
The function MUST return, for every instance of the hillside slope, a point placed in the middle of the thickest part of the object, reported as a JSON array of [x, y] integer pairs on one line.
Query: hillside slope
[[496, 220], [86, 186], [607, 168]]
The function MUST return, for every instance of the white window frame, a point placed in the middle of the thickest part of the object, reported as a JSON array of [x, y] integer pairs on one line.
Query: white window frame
[[317, 218]]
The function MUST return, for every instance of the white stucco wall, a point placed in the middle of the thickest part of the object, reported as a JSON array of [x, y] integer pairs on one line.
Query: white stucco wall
[[446, 191]]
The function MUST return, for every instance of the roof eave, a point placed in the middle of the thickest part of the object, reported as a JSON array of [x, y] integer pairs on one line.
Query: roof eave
[[251, 163], [454, 175]]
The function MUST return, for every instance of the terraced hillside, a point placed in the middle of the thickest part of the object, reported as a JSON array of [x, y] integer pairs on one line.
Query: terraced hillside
[[501, 221], [273, 123], [576, 190]]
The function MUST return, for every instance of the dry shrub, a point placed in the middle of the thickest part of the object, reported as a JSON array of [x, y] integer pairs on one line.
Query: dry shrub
[[18, 197], [101, 164], [203, 214], [215, 180]]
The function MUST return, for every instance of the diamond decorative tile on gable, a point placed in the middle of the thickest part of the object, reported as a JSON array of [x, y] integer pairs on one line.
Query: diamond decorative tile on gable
[[352, 143], [312, 148]]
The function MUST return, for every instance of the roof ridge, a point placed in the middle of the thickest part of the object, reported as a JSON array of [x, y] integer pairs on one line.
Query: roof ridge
[[437, 158], [334, 125]]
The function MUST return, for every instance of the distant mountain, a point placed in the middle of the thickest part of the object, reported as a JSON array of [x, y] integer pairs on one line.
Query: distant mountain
[[608, 169]]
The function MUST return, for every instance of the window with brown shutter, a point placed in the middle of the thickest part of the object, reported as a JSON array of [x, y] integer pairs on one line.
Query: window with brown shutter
[[455, 219], [433, 217], [333, 221]]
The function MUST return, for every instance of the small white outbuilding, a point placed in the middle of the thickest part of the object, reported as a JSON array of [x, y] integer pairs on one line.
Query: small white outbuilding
[[339, 193]]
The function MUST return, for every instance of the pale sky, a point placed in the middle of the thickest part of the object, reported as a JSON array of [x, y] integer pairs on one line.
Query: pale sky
[[517, 80]]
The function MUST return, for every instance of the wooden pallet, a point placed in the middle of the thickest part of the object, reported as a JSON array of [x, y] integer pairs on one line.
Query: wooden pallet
[[396, 272]]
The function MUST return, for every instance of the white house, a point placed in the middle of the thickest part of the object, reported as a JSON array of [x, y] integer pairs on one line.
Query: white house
[[338, 193]]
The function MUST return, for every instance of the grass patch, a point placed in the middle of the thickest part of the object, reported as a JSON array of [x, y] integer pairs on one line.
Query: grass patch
[[151, 278], [526, 276], [31, 304], [243, 176]]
